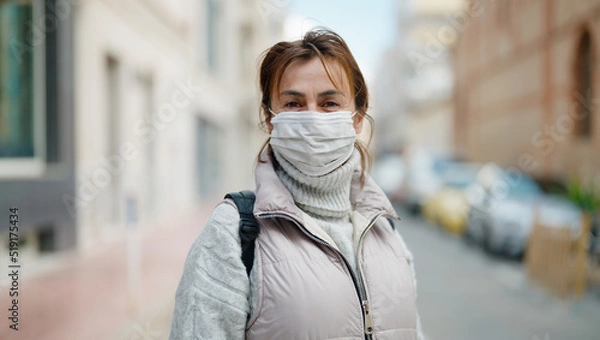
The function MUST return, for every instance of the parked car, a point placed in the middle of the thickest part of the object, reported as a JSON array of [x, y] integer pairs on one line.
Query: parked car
[[449, 206], [503, 215], [389, 172], [422, 179], [479, 195]]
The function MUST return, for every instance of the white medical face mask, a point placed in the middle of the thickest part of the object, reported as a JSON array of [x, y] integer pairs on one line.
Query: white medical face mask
[[313, 142]]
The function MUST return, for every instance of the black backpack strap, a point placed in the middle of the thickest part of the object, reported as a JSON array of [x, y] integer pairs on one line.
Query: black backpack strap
[[249, 229]]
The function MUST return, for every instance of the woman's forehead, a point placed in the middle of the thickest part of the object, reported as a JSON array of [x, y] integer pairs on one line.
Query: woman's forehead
[[311, 75]]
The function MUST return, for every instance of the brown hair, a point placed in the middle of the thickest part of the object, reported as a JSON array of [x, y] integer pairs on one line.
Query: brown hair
[[325, 45]]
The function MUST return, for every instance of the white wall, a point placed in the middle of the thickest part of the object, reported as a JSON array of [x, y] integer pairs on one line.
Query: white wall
[[163, 43]]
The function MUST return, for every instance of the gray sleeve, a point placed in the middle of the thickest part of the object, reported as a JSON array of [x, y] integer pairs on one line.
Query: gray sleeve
[[411, 261], [212, 297]]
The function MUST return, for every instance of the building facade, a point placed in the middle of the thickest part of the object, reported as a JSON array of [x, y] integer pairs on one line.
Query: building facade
[[415, 82], [156, 112], [37, 164], [528, 86]]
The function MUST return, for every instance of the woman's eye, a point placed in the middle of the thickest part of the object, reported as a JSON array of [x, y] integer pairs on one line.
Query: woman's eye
[[331, 104], [292, 104]]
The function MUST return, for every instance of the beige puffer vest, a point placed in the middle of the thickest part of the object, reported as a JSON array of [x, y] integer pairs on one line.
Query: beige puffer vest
[[305, 287]]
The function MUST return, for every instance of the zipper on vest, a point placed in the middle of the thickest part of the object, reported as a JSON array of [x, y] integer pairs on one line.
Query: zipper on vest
[[358, 282], [365, 302], [368, 319]]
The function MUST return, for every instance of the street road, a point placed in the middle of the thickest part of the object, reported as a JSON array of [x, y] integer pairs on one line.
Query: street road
[[465, 294]]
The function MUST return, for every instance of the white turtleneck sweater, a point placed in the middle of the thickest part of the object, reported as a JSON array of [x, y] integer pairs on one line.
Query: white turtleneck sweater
[[326, 199], [214, 297]]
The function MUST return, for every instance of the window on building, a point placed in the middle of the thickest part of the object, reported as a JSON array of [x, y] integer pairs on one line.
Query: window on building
[[207, 157], [145, 83], [22, 86], [583, 86], [212, 34], [113, 126], [54, 113], [112, 103], [246, 53]]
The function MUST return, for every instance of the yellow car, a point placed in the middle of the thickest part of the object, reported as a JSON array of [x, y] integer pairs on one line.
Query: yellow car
[[449, 206]]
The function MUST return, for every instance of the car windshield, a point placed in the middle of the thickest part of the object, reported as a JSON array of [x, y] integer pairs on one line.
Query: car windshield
[[459, 176], [439, 165], [460, 182], [524, 186]]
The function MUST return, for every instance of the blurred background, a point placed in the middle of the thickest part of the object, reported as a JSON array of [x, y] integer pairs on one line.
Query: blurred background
[[123, 123]]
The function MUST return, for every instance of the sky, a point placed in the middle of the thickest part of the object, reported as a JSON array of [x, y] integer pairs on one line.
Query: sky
[[368, 27]]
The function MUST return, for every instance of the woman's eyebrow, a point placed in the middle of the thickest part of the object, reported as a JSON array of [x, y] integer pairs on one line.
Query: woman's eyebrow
[[329, 93], [292, 93], [299, 94]]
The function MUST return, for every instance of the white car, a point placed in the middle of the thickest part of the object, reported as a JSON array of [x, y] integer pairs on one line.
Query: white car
[[503, 219], [389, 172], [423, 178]]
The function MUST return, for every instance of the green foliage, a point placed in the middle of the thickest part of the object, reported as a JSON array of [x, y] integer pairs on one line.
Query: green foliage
[[584, 196]]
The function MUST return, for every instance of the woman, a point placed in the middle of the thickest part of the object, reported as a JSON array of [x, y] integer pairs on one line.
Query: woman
[[327, 264]]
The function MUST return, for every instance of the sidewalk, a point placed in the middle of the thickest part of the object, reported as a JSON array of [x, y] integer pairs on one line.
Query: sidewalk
[[87, 297]]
